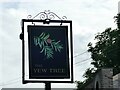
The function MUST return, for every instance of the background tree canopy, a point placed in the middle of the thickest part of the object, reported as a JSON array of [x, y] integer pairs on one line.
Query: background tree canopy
[[105, 53]]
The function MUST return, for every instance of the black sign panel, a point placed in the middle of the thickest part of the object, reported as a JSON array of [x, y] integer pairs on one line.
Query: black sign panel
[[48, 52]]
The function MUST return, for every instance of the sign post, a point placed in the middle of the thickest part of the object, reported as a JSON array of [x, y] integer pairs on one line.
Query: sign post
[[47, 50], [47, 86]]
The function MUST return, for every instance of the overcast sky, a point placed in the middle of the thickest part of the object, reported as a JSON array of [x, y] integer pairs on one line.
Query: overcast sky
[[88, 16]]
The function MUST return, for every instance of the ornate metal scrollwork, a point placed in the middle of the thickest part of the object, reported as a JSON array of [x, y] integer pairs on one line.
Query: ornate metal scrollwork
[[47, 15]]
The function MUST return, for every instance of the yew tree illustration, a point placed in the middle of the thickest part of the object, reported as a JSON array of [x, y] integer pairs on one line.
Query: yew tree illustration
[[47, 45]]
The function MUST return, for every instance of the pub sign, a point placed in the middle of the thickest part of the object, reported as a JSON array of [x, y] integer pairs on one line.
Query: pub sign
[[47, 51]]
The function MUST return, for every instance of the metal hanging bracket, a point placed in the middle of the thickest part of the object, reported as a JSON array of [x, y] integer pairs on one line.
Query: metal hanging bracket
[[46, 16], [46, 21]]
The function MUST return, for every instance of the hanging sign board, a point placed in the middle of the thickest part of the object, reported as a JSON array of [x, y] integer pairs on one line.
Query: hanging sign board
[[47, 51]]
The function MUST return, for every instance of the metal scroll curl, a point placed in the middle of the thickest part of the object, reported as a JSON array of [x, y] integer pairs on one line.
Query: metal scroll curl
[[47, 15]]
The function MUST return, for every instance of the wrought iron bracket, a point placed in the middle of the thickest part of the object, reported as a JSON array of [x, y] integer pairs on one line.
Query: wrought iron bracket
[[46, 21], [47, 15]]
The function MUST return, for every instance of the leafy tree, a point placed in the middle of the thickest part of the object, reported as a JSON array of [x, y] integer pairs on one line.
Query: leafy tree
[[80, 85], [105, 53], [117, 19], [89, 74]]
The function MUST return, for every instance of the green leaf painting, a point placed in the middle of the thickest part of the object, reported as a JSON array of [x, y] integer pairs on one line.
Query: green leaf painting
[[47, 45]]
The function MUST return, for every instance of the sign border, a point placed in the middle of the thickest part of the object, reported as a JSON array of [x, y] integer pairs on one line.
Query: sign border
[[23, 50]]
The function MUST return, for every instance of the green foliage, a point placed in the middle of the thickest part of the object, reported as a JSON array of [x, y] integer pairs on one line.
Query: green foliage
[[47, 51], [47, 46], [56, 46], [89, 73], [117, 19], [106, 51], [80, 85]]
